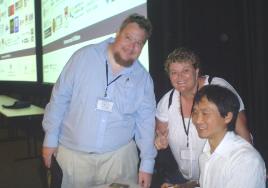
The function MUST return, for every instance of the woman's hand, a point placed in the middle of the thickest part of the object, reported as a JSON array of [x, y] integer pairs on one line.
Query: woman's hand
[[161, 140]]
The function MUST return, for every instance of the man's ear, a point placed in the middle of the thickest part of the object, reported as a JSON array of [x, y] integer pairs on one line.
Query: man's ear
[[117, 33], [228, 117], [197, 73]]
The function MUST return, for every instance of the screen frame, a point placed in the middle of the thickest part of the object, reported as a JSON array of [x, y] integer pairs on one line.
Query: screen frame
[[118, 18], [36, 48]]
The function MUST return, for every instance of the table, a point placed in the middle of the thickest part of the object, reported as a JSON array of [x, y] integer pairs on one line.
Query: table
[[23, 114], [131, 185], [9, 113]]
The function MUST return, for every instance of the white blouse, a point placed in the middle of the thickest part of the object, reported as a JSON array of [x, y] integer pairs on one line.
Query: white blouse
[[187, 158]]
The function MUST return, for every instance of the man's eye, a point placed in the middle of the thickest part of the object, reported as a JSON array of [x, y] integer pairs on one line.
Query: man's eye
[[205, 113], [128, 38], [186, 70], [194, 113]]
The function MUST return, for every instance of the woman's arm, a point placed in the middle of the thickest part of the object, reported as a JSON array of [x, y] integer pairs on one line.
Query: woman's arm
[[241, 127]]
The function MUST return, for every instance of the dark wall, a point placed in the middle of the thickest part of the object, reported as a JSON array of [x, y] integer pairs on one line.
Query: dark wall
[[230, 38]]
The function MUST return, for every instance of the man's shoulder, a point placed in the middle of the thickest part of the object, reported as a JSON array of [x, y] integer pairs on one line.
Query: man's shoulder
[[139, 68], [140, 73], [243, 150]]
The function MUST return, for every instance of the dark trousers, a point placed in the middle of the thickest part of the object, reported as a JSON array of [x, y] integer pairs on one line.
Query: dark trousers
[[56, 174], [166, 170]]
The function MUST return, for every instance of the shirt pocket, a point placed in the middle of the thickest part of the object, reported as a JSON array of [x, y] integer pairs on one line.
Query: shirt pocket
[[126, 96]]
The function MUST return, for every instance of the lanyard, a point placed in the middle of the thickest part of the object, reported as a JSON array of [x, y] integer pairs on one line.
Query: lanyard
[[107, 78], [186, 129]]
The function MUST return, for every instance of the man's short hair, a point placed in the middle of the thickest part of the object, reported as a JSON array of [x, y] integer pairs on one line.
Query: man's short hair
[[225, 100], [143, 22]]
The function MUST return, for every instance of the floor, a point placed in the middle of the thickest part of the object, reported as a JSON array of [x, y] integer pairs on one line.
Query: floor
[[15, 171]]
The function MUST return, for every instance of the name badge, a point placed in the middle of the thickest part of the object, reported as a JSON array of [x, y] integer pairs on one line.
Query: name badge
[[187, 154], [104, 105]]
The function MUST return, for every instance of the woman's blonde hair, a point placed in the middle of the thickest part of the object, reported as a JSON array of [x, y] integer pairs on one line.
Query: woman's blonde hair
[[182, 55]]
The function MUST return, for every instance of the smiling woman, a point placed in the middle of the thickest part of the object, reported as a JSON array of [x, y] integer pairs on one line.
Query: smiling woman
[[175, 110]]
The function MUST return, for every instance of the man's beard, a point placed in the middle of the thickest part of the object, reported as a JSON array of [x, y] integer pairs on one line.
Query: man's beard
[[121, 61]]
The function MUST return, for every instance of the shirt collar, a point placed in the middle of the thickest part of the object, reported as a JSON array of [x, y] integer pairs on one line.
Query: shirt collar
[[223, 149]]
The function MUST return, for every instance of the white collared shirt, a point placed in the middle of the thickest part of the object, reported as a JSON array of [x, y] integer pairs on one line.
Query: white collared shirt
[[234, 164], [177, 137]]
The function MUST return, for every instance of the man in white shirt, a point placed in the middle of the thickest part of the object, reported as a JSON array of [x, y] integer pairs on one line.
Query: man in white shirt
[[227, 160]]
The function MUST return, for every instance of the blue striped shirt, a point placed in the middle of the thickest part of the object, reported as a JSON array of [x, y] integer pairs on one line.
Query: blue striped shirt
[[72, 119]]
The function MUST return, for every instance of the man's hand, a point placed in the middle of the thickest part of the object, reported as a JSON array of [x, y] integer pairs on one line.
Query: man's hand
[[189, 184], [47, 153], [145, 179], [168, 185]]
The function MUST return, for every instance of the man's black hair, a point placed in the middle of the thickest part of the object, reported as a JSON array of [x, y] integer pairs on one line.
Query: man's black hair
[[225, 100]]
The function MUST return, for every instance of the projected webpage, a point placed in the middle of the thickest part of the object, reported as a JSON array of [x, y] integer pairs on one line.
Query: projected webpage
[[68, 25], [17, 41]]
